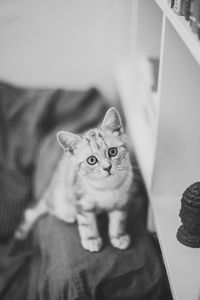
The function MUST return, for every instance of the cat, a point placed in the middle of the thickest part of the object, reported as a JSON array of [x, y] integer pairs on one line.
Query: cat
[[94, 175]]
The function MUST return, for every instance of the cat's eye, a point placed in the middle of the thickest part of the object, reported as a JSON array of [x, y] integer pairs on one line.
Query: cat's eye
[[112, 151], [92, 160]]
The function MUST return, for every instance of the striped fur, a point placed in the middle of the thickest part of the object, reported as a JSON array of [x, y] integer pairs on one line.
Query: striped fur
[[93, 175]]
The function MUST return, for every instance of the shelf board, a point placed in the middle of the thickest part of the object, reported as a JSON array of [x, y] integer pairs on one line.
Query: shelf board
[[183, 29], [182, 262]]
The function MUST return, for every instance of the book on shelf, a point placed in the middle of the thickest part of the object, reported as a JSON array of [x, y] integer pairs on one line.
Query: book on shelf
[[186, 12], [190, 10], [170, 3], [181, 7], [197, 16], [192, 17], [178, 7]]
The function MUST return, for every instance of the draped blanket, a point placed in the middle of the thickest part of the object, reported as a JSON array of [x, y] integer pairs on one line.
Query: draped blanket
[[50, 263]]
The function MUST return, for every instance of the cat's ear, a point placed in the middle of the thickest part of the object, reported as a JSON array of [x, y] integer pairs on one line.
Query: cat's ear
[[68, 141], [112, 121]]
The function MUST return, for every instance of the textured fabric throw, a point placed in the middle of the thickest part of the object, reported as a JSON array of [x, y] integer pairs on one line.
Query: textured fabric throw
[[26, 116], [50, 263]]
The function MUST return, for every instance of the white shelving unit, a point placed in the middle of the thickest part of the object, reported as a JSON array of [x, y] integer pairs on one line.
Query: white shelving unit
[[167, 143]]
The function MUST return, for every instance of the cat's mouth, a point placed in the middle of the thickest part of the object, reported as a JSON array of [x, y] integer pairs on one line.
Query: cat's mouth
[[109, 174]]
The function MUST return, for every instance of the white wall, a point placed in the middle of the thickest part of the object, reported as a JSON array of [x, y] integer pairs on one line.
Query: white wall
[[70, 43]]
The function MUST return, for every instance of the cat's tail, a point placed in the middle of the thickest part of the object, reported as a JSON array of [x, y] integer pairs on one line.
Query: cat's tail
[[31, 215]]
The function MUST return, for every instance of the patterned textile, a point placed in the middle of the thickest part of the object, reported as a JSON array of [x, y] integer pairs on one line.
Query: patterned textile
[[26, 116], [51, 264]]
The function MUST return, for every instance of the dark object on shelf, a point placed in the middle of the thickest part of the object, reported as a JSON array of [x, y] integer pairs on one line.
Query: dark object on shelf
[[187, 9], [171, 3], [193, 13], [194, 16], [178, 7], [190, 10], [189, 232], [197, 16], [154, 62]]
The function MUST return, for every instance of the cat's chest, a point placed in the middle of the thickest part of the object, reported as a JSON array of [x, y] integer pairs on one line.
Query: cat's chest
[[108, 199]]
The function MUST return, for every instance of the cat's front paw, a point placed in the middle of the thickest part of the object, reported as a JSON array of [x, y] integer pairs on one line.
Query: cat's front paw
[[121, 242], [92, 244]]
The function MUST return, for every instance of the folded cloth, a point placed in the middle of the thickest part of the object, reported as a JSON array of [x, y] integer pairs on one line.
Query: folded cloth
[[62, 269], [51, 264], [26, 116]]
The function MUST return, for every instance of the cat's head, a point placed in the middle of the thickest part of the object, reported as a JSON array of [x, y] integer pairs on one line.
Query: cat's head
[[101, 154]]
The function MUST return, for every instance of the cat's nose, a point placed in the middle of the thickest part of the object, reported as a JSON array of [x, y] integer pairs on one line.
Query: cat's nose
[[107, 168]]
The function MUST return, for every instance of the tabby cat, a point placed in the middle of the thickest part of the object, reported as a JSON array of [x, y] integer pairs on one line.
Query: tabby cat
[[93, 175]]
